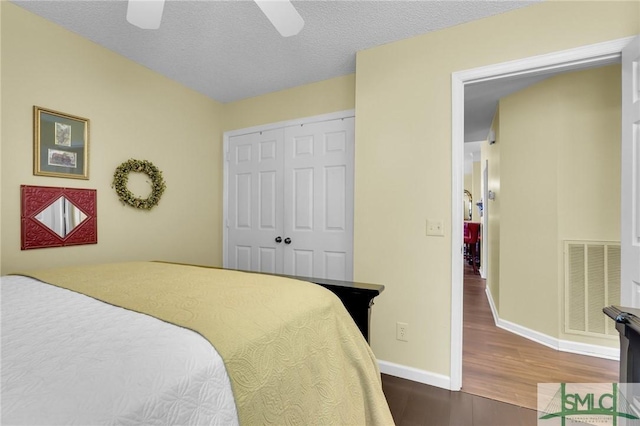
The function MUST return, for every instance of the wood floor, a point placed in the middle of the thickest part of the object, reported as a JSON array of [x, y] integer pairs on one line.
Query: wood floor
[[416, 404], [503, 366], [500, 375]]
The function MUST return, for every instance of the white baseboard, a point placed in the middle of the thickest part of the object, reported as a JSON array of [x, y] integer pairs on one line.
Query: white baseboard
[[492, 305], [552, 342], [414, 374], [444, 382], [591, 350]]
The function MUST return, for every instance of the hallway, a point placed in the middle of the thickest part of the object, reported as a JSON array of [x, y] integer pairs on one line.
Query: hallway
[[503, 366]]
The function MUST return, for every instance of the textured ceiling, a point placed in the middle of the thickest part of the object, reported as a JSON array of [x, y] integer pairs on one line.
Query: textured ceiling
[[228, 50]]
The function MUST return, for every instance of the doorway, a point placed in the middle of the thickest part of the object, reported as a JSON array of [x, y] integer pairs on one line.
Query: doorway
[[574, 59]]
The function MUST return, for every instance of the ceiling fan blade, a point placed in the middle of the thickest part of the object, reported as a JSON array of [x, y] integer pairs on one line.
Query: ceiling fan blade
[[284, 17], [145, 14]]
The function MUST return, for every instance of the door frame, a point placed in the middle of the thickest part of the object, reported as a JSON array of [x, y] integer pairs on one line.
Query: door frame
[[561, 61], [260, 128]]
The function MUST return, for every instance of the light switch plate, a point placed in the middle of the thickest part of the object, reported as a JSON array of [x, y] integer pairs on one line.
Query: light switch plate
[[435, 228]]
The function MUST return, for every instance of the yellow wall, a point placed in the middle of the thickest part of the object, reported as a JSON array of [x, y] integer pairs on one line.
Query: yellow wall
[[1, 136], [403, 150], [491, 157], [336, 94], [477, 190], [589, 169], [529, 209], [560, 147], [468, 185], [134, 113], [589, 158], [468, 182], [473, 185]]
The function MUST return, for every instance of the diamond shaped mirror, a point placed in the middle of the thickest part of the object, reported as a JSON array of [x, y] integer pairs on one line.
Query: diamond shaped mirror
[[62, 216], [56, 217]]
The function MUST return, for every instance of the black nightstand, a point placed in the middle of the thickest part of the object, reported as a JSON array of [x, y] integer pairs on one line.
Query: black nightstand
[[356, 297]]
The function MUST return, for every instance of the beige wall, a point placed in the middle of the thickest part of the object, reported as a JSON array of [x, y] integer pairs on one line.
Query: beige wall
[[529, 209], [134, 113], [403, 150], [477, 190], [589, 169], [560, 146], [468, 185], [491, 157], [473, 185], [589, 158], [1, 137], [336, 94]]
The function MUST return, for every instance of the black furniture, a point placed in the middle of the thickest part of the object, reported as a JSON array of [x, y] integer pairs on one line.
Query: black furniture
[[628, 325], [356, 297]]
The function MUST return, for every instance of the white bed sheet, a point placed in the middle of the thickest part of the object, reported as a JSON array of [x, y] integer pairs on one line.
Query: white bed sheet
[[69, 359]]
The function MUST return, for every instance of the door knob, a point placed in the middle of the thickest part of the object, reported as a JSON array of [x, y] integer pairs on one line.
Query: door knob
[[287, 240], [278, 240]]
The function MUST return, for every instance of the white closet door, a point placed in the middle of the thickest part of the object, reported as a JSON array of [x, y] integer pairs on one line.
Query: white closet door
[[318, 199], [255, 201]]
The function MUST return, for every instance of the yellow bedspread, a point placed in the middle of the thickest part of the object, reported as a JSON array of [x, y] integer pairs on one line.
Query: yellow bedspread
[[292, 352]]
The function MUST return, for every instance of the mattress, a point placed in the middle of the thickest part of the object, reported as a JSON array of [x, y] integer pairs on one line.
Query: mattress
[[70, 359]]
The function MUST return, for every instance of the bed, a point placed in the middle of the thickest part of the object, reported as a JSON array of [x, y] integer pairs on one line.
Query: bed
[[156, 343]]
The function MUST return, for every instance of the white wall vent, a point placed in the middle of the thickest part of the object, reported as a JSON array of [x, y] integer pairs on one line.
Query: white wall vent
[[592, 281]]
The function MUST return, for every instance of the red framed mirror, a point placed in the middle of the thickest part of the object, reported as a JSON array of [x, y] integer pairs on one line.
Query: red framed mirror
[[57, 217]]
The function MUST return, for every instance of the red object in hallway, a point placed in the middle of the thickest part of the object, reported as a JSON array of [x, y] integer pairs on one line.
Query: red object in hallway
[[471, 238]]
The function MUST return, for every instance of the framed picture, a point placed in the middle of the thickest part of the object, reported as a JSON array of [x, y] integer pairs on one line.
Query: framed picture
[[60, 144]]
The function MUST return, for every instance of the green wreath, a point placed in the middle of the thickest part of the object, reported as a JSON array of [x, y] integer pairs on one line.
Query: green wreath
[[121, 178]]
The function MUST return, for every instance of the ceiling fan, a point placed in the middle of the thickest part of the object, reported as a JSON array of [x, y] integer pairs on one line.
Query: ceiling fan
[[147, 14]]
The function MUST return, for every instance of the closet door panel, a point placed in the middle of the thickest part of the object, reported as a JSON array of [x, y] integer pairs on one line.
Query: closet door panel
[[243, 200], [302, 199], [302, 263], [318, 199], [267, 199], [268, 260], [335, 181], [255, 173], [243, 257]]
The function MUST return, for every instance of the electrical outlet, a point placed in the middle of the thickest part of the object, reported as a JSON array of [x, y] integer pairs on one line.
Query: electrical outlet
[[435, 228], [402, 329]]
